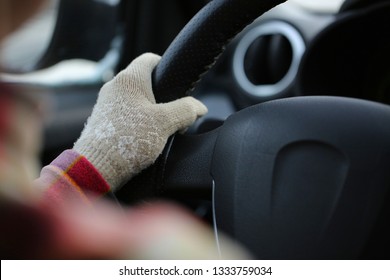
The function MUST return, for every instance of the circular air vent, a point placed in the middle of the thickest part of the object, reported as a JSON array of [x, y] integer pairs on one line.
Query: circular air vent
[[266, 59]]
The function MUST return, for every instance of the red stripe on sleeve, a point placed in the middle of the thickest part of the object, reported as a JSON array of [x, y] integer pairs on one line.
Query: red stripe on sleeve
[[85, 175]]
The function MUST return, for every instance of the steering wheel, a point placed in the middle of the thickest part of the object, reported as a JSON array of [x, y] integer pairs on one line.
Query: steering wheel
[[298, 178]]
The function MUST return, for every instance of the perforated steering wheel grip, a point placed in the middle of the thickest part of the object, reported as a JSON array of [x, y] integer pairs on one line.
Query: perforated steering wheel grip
[[201, 42]]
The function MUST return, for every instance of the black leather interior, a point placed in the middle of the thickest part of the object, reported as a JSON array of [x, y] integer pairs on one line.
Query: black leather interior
[[297, 178]]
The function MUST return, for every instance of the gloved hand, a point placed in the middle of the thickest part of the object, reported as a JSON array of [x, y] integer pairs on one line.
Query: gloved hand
[[127, 130]]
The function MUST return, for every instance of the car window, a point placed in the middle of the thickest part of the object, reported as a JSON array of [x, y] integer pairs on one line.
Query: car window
[[35, 33], [69, 42]]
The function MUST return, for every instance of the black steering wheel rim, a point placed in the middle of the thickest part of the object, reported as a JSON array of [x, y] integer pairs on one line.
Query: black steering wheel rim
[[201, 42]]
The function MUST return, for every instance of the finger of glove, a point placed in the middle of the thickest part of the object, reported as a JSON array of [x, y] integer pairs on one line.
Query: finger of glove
[[180, 114], [135, 81]]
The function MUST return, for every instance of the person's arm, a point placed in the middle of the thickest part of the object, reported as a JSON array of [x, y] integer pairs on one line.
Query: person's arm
[[126, 133], [71, 177]]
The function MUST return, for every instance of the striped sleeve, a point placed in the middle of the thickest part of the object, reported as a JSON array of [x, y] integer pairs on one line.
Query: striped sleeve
[[71, 177]]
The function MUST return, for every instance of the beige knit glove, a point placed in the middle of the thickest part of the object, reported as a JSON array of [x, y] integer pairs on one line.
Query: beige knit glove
[[127, 130]]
